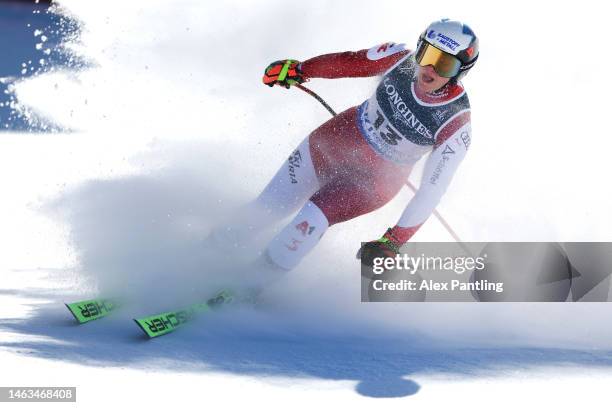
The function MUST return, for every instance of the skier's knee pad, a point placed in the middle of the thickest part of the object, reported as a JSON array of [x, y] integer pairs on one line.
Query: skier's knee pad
[[299, 237]]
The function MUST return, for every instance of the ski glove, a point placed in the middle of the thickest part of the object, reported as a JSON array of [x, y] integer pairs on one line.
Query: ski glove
[[385, 247], [284, 72]]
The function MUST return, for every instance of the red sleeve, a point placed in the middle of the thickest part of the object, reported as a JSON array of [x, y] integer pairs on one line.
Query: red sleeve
[[350, 64]]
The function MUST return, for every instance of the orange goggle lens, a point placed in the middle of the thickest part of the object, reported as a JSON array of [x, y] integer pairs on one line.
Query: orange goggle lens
[[444, 64]]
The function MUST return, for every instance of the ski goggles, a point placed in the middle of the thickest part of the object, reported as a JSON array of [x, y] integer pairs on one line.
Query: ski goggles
[[445, 64]]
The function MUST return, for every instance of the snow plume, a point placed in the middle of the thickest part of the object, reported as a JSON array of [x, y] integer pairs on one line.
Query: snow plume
[[187, 133], [142, 236]]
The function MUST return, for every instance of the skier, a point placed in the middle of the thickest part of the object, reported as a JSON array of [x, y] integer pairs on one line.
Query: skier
[[359, 160]]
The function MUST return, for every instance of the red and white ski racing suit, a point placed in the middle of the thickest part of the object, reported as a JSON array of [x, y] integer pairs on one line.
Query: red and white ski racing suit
[[359, 160]]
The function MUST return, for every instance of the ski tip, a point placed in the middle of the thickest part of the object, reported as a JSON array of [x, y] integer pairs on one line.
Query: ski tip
[[88, 310], [142, 328], [72, 313]]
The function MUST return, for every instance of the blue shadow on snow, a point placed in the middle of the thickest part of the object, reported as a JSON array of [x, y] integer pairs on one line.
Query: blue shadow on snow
[[30, 36]]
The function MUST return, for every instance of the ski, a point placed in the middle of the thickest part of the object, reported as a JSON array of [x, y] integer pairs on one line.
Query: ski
[[164, 323], [87, 310]]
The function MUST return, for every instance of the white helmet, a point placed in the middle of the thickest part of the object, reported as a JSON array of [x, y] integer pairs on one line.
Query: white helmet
[[454, 38]]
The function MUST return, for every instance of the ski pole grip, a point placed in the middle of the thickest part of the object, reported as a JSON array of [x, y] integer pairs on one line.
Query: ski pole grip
[[283, 73]]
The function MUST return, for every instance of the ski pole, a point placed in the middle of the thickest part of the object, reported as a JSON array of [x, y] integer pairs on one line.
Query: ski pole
[[436, 213], [317, 97], [445, 224]]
